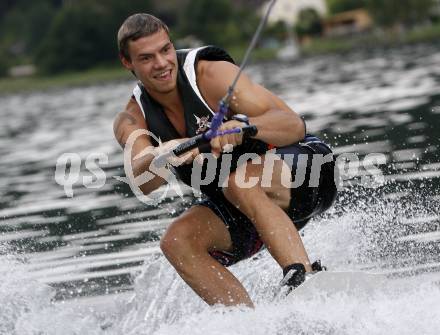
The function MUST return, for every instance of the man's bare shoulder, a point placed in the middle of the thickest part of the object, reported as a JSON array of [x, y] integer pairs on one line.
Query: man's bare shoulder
[[129, 119], [218, 70], [250, 98], [131, 114], [214, 79]]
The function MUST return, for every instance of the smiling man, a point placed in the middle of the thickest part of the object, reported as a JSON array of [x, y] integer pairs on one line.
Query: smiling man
[[176, 91]]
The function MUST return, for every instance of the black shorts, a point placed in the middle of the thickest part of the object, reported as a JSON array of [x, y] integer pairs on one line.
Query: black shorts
[[306, 201]]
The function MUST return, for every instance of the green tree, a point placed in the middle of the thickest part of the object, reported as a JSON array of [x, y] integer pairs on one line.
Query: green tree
[[206, 19], [73, 41], [391, 12], [309, 23], [338, 6], [4, 64], [277, 30], [83, 34], [216, 22], [24, 26]]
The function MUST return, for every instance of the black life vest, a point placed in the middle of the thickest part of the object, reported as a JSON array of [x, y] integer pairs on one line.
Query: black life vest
[[196, 111]]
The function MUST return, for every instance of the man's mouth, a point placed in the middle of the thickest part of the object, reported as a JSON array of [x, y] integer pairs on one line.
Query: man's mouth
[[165, 75]]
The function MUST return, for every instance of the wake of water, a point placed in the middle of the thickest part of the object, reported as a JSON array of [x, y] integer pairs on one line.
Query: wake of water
[[351, 237]]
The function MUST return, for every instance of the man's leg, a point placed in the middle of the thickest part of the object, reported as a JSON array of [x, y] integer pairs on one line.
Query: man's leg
[[264, 207], [186, 244]]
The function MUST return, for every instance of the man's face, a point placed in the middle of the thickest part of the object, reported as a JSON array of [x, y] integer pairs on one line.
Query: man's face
[[154, 61]]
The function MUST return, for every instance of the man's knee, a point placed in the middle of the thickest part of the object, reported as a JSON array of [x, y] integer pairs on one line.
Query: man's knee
[[178, 240]]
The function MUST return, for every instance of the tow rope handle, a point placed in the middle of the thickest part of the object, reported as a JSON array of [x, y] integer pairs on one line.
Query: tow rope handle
[[199, 141]]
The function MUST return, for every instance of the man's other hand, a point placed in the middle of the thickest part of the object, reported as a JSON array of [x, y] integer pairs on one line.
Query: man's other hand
[[223, 143]]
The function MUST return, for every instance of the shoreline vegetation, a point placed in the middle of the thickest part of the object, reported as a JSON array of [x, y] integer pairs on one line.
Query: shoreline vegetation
[[316, 46], [379, 39]]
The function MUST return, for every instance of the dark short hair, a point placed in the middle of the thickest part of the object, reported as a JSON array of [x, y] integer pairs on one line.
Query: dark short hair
[[135, 27]]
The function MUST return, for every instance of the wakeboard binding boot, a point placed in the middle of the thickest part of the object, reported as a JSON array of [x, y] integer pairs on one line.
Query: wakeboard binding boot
[[295, 274]]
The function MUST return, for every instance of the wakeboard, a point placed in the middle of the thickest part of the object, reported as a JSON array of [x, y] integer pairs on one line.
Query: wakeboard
[[329, 282]]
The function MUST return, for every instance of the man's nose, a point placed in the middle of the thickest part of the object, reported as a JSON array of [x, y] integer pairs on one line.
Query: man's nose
[[160, 61]]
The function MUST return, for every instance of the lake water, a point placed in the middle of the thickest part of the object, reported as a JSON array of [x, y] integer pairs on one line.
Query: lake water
[[90, 264]]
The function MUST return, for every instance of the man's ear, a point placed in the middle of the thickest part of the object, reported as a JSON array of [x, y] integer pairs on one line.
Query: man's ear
[[126, 62]]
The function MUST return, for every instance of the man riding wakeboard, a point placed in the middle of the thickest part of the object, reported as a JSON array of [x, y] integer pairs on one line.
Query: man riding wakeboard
[[176, 97]]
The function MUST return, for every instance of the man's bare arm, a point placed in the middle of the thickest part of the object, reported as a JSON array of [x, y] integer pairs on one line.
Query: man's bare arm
[[276, 122], [125, 123]]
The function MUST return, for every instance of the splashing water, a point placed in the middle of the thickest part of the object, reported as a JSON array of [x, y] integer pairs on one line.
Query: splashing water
[[348, 239], [26, 305]]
